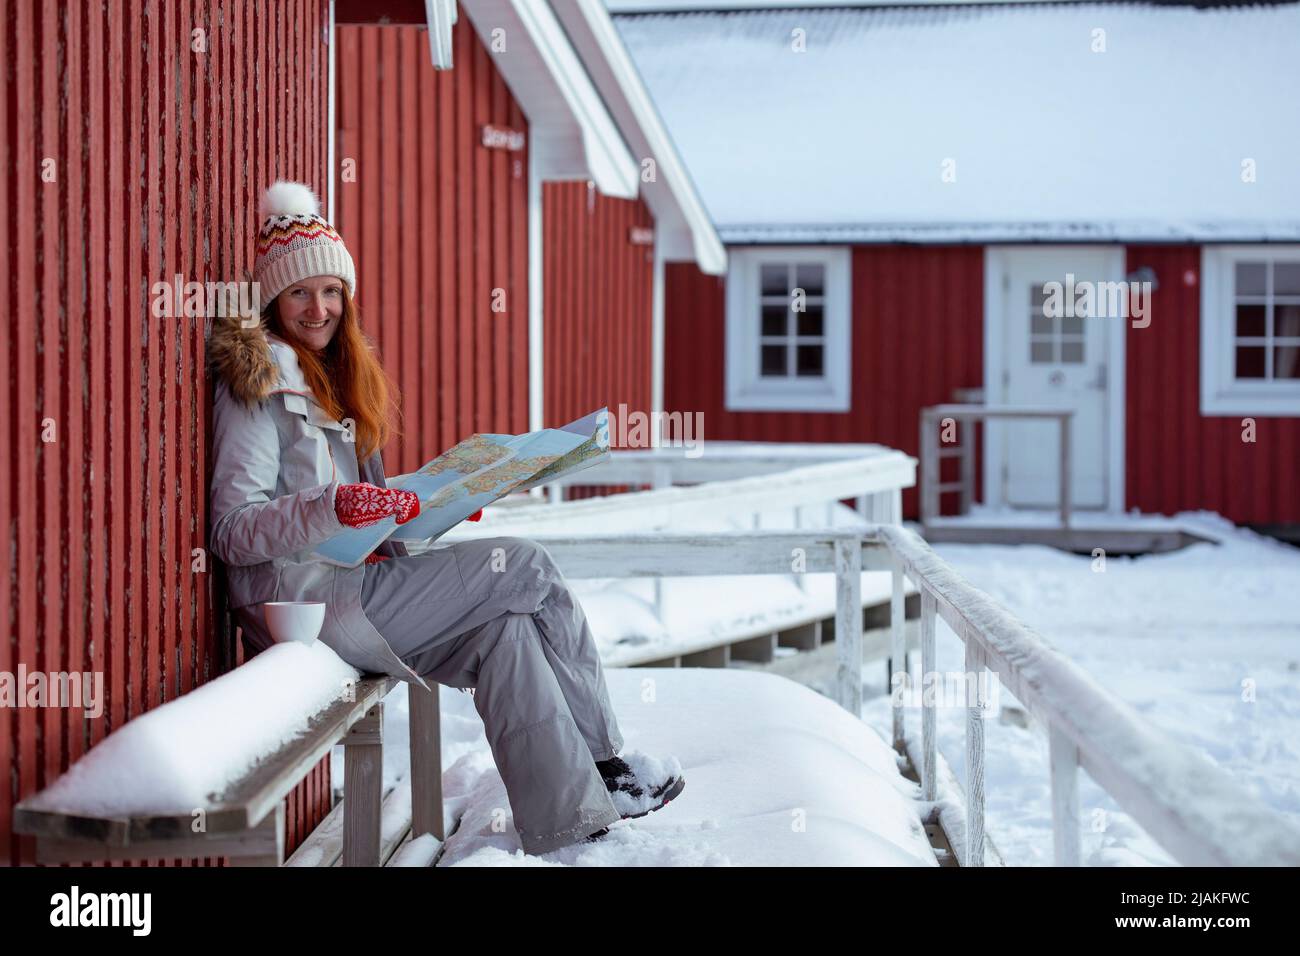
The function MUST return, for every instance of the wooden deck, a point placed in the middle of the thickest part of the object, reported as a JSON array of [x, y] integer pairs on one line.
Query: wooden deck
[[804, 637], [1118, 539]]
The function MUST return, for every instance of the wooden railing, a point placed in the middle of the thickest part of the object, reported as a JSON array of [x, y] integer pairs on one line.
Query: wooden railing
[[934, 451], [1192, 808], [665, 466], [738, 479]]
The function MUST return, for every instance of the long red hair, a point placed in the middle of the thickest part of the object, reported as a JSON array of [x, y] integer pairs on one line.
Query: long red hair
[[347, 378]]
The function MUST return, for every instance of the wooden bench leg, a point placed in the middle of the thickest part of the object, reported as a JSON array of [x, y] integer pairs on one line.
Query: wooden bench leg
[[265, 842], [363, 788], [426, 762]]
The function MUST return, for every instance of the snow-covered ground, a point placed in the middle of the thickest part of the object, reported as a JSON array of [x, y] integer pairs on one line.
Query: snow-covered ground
[[1204, 642], [776, 775]]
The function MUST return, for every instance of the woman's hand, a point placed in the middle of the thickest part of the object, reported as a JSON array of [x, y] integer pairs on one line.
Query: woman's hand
[[364, 504]]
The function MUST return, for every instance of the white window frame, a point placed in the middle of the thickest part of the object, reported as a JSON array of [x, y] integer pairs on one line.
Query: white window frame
[[1221, 392], [746, 388]]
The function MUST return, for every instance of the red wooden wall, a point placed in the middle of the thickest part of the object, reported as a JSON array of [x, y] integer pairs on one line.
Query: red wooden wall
[[436, 224], [1177, 459], [153, 154], [597, 309], [917, 334]]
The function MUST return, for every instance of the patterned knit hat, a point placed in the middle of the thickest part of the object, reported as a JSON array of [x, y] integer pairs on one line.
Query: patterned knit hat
[[296, 242]]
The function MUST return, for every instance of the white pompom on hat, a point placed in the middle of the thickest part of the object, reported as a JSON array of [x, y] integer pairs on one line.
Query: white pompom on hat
[[296, 243]]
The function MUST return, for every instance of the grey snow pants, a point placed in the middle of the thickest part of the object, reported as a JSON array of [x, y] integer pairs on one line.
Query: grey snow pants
[[496, 614]]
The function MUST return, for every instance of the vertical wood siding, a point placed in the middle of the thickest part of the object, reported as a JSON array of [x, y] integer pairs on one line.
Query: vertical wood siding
[[157, 155], [917, 334], [598, 318], [1176, 458], [437, 225]]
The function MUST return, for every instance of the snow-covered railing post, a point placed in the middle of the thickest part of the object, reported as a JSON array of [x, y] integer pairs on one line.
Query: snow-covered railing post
[[975, 714], [661, 476], [848, 622], [898, 675], [800, 579], [929, 743], [1064, 769]]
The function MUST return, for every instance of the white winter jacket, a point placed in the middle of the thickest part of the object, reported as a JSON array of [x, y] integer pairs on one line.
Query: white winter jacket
[[278, 459]]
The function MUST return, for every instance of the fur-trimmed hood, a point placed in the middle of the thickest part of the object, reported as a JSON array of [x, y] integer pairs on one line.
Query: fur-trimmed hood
[[275, 449], [251, 361]]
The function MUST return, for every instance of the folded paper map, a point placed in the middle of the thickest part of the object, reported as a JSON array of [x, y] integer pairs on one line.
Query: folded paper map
[[475, 473]]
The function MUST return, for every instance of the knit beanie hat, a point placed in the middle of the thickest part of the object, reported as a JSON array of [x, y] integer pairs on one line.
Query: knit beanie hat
[[296, 243]]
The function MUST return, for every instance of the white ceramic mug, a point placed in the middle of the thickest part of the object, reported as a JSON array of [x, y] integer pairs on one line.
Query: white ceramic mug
[[294, 620]]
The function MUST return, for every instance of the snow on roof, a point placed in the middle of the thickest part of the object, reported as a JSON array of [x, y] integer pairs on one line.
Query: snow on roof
[[1048, 140]]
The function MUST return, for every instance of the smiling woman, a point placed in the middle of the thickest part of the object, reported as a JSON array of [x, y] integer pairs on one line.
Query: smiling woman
[[317, 318], [494, 614], [310, 311]]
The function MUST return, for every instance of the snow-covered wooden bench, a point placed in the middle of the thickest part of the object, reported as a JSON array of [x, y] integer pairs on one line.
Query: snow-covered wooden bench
[[96, 812]]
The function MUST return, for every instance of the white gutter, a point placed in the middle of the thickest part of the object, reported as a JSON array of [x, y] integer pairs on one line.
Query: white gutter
[[657, 334], [330, 97], [440, 16], [535, 291]]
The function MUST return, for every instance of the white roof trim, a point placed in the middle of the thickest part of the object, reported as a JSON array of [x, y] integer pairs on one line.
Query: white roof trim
[[572, 134], [682, 225], [619, 7], [946, 233]]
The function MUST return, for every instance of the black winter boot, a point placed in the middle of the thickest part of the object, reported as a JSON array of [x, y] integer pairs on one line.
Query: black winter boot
[[641, 784]]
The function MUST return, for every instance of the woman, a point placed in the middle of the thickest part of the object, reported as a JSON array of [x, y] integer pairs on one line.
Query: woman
[[300, 413]]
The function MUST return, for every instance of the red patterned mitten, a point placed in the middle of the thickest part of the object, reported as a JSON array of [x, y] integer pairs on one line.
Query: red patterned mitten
[[476, 515], [364, 504], [374, 557]]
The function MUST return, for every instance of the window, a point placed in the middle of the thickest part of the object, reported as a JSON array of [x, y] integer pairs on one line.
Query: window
[[1053, 339], [788, 329], [1250, 330]]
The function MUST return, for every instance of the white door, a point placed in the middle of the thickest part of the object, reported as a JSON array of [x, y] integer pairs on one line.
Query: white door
[[1053, 358]]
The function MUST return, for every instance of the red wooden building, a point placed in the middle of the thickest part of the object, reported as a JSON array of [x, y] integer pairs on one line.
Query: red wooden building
[[512, 213], [922, 172]]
